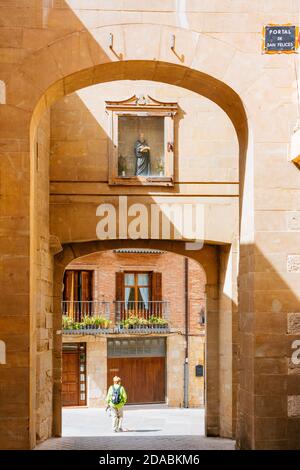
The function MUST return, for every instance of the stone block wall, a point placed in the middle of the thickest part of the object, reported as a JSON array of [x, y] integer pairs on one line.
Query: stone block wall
[[228, 338], [293, 399], [44, 288]]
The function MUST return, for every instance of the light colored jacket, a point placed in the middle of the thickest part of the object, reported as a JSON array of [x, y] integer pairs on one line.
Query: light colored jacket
[[123, 397]]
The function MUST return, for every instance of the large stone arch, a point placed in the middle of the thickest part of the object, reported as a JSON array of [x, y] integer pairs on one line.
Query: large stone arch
[[208, 259], [195, 81], [48, 63], [48, 74]]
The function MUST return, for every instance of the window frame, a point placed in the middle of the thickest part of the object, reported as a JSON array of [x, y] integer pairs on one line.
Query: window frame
[[136, 285], [149, 107]]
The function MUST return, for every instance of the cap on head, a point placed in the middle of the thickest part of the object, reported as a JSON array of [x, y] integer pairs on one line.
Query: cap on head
[[116, 379]]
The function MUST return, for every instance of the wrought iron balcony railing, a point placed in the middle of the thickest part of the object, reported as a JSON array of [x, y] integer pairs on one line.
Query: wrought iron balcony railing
[[137, 315], [79, 311], [128, 316]]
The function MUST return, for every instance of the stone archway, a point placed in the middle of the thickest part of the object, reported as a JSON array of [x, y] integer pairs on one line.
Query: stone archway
[[115, 71], [217, 423], [52, 51], [45, 80]]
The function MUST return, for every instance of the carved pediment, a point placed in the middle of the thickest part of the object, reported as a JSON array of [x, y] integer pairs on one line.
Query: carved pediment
[[130, 118], [141, 102]]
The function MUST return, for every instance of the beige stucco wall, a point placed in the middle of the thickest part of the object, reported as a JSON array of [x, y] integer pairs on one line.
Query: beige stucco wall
[[196, 390], [175, 371], [175, 362], [96, 369]]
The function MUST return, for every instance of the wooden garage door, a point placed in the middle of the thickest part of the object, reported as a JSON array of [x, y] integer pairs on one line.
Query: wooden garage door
[[142, 377], [70, 385]]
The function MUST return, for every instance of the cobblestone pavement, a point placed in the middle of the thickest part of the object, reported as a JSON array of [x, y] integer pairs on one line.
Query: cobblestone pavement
[[148, 427]]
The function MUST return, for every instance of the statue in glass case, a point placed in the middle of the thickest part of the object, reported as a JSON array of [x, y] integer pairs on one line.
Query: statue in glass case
[[142, 154], [133, 158]]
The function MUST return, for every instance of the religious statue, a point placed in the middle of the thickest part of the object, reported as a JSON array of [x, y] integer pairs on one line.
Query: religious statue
[[142, 153]]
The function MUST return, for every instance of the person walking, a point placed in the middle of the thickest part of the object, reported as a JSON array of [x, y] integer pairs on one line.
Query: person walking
[[116, 399]]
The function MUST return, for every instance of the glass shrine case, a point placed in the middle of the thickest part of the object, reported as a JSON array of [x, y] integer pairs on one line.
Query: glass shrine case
[[141, 149]]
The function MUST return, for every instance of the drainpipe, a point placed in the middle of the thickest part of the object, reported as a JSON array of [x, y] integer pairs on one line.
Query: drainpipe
[[186, 360]]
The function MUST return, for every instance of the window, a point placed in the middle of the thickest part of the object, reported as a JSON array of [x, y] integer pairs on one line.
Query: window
[[137, 289], [77, 294], [137, 347], [142, 142], [138, 294], [77, 285], [138, 286]]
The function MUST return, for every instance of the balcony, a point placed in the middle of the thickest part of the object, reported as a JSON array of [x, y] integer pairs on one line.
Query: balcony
[[132, 316], [86, 317], [92, 317]]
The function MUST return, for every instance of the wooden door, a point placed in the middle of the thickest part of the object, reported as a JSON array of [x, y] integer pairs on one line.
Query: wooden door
[[70, 376], [142, 377]]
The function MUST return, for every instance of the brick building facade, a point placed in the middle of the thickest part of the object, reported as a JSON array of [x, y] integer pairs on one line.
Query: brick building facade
[[176, 273]]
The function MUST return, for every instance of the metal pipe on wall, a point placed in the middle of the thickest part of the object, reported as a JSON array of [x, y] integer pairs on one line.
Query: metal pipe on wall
[[186, 361]]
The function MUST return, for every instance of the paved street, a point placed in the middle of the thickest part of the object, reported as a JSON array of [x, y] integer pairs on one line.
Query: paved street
[[148, 427]]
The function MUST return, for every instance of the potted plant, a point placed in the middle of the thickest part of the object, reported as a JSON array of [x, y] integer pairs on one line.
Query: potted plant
[[96, 322], [67, 323], [122, 166], [134, 321], [158, 321], [131, 322], [160, 168]]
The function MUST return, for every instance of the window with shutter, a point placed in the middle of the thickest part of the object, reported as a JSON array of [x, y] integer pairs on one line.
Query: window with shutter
[[156, 286], [137, 287], [120, 286], [119, 295], [68, 286], [157, 294], [85, 285], [77, 294], [138, 293]]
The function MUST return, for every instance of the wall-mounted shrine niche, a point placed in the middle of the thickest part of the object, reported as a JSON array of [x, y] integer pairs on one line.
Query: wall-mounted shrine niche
[[141, 142]]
